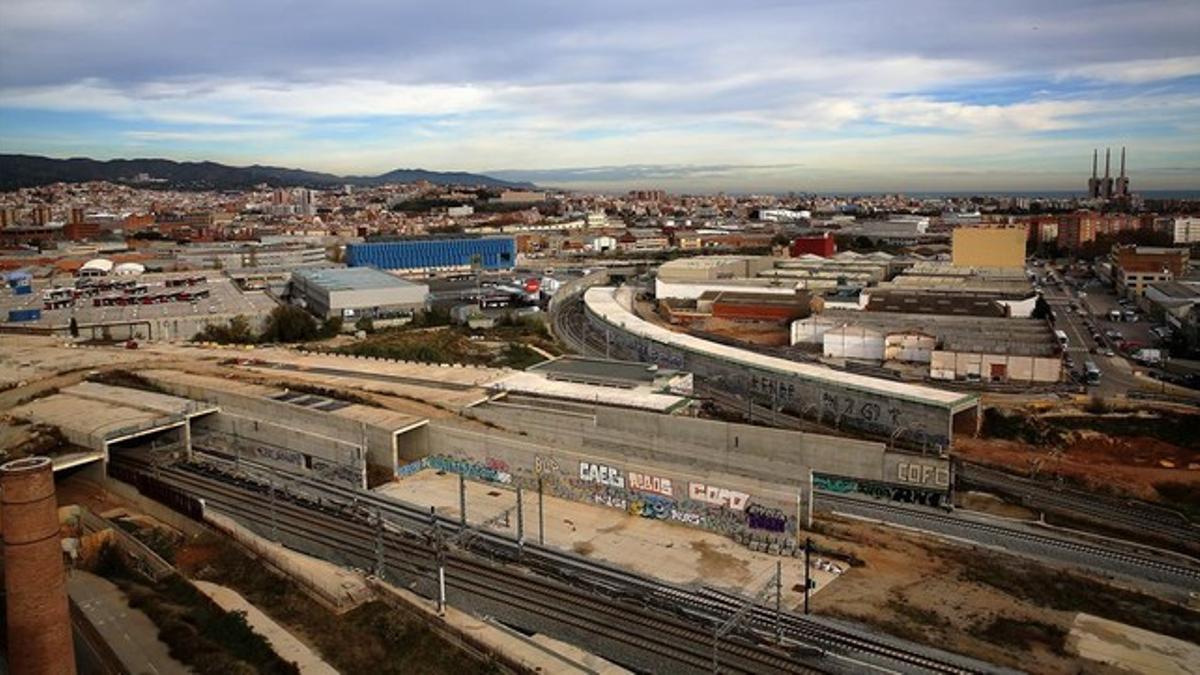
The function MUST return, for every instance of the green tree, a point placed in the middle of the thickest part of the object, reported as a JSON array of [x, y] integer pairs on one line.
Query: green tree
[[365, 324], [288, 323], [331, 327]]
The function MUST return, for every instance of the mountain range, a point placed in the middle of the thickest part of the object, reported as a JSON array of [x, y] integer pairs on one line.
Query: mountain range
[[18, 171]]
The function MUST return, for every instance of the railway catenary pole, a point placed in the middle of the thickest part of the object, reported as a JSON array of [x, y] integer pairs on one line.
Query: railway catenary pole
[[440, 555], [462, 500], [274, 517], [778, 602], [541, 516], [379, 566], [520, 522], [807, 569]]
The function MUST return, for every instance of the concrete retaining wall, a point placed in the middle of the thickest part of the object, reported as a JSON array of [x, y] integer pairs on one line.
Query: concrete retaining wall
[[380, 441], [777, 455], [283, 446], [731, 504]]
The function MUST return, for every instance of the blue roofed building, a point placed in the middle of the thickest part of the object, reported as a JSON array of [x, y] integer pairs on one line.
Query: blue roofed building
[[490, 253]]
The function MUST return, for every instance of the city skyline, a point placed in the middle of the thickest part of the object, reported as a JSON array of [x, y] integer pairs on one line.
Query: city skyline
[[683, 96]]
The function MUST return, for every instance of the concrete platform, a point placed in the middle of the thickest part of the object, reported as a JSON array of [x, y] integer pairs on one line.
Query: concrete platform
[[667, 550], [132, 636], [93, 416], [284, 643]]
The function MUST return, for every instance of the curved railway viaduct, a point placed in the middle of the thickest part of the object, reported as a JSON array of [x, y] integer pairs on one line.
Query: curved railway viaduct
[[909, 414]]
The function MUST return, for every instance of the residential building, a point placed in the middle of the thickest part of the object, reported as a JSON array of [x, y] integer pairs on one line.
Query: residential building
[[1137, 267]]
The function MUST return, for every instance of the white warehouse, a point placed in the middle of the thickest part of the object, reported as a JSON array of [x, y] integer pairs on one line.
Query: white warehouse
[[356, 292]]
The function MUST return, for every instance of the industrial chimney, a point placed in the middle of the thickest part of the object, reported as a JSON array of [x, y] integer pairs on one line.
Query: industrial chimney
[[39, 622], [1093, 183]]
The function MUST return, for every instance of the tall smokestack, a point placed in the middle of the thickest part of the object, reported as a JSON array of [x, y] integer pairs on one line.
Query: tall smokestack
[[1122, 161], [1107, 161], [1095, 158], [39, 622]]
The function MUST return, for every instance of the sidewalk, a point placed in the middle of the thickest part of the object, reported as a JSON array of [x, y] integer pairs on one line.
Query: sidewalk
[[130, 634], [284, 643]]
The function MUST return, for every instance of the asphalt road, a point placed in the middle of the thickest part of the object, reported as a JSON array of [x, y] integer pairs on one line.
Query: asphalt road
[[1116, 372]]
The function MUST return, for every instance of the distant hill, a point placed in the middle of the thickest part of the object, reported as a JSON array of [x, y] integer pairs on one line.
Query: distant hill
[[18, 171]]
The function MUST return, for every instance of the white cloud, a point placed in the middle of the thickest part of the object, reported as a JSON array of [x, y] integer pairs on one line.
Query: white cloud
[[1138, 71]]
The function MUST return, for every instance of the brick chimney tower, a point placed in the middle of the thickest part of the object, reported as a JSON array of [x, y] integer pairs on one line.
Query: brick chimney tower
[[39, 622]]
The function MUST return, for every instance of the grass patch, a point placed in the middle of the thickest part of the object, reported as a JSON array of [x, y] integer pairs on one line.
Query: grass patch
[[1022, 634], [454, 344], [1063, 591], [373, 638], [120, 377], [196, 631], [917, 615], [1182, 496], [163, 542]]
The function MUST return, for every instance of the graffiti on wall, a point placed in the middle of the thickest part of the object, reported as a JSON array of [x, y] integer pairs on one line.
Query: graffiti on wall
[[760, 517], [281, 455], [832, 484], [410, 469], [601, 474], [718, 496], [768, 386], [340, 473], [468, 469], [644, 482], [545, 465], [923, 474]]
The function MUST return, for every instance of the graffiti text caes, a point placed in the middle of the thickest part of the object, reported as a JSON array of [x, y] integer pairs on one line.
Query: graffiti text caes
[[599, 473]]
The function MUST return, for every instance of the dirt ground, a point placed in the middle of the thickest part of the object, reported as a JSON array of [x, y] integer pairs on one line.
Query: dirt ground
[[1123, 465], [912, 588], [664, 549], [766, 333]]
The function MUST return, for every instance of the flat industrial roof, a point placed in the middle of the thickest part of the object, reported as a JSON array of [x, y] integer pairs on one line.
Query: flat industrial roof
[[352, 278], [603, 301], [581, 368], [101, 413]]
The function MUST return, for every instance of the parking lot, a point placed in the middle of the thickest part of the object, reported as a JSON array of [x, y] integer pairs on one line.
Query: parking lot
[[1081, 306], [223, 300]]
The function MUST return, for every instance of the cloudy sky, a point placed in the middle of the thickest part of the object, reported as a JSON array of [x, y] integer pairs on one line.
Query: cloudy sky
[[702, 94]]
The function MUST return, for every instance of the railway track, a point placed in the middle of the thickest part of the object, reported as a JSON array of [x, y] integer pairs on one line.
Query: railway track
[[843, 649], [1125, 514], [1018, 540], [352, 535]]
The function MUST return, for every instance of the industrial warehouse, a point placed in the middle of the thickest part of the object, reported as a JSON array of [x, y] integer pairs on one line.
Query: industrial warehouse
[[426, 254]]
